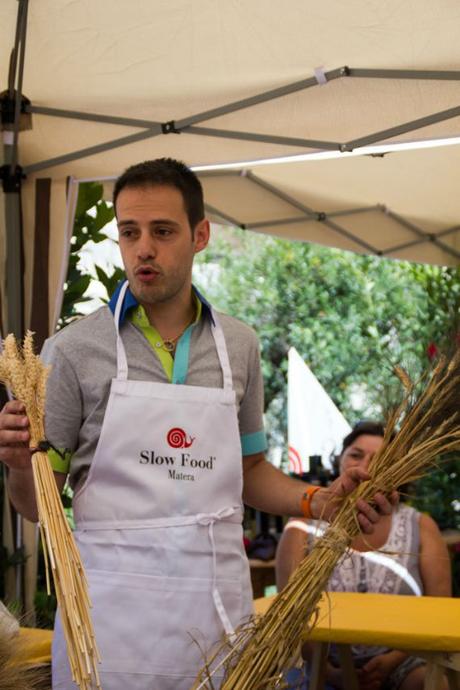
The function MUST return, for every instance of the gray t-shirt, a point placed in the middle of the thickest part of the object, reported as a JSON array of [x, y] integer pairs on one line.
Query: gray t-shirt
[[83, 360]]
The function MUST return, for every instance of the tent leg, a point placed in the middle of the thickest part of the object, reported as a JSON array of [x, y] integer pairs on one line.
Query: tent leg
[[14, 288], [14, 256]]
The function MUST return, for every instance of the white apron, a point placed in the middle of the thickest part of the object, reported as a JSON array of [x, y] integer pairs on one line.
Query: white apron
[[159, 528]]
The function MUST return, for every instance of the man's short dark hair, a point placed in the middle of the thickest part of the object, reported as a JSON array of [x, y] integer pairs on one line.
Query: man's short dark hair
[[168, 172]]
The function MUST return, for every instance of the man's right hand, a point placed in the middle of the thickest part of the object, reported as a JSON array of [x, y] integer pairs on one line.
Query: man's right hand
[[14, 436]]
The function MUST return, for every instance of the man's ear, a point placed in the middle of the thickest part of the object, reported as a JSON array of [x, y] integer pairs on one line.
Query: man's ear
[[201, 235]]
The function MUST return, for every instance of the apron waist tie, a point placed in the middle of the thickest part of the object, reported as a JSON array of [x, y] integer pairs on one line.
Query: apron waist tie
[[208, 520]]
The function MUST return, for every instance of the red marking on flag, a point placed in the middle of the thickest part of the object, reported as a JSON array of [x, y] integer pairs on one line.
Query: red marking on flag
[[295, 462]]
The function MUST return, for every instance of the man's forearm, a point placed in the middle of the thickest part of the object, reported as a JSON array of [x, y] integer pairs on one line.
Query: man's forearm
[[21, 490], [268, 489]]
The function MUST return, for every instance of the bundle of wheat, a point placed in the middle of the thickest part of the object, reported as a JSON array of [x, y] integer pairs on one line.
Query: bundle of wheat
[[25, 375], [15, 675], [427, 425]]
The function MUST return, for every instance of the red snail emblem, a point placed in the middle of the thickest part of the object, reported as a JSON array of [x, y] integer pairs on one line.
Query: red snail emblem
[[177, 438]]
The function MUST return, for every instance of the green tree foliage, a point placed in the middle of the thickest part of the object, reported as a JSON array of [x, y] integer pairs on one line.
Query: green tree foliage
[[352, 318], [441, 288]]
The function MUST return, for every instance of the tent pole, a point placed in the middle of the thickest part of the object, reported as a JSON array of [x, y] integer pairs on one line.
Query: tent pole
[[14, 268], [356, 211], [92, 117], [92, 150], [395, 74], [264, 138], [426, 74], [188, 124], [402, 129], [11, 180], [259, 98], [349, 235], [281, 195], [280, 221], [223, 216], [448, 231]]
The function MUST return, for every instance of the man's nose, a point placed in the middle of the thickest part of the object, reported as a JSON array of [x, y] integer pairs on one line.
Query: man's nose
[[145, 248]]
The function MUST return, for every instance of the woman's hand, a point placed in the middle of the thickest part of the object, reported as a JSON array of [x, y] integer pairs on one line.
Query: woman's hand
[[372, 675], [334, 676]]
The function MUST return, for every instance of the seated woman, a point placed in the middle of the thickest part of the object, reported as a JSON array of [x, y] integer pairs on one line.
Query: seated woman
[[409, 557]]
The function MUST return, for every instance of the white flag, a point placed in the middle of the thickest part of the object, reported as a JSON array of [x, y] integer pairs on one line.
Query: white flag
[[315, 425]]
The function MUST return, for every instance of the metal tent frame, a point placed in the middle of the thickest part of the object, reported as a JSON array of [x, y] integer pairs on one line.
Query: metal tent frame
[[12, 173], [329, 219]]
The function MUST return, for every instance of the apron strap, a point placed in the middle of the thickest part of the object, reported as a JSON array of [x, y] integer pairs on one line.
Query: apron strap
[[222, 352], [208, 519], [122, 362]]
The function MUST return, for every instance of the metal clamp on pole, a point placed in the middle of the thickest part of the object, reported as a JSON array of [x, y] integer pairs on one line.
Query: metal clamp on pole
[[7, 111], [169, 127], [11, 180]]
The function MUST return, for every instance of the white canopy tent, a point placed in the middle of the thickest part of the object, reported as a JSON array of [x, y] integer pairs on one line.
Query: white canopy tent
[[211, 82], [92, 87]]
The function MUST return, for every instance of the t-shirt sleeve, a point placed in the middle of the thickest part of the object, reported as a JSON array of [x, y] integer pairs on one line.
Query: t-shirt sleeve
[[252, 432], [63, 411]]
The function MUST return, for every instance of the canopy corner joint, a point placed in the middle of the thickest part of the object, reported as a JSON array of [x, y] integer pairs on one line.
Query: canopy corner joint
[[169, 127]]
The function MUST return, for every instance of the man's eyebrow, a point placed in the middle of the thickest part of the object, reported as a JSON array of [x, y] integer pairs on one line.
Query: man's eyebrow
[[126, 221], [164, 221], [156, 221]]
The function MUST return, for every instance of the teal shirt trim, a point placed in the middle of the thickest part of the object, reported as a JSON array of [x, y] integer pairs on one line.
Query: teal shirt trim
[[181, 358], [254, 443]]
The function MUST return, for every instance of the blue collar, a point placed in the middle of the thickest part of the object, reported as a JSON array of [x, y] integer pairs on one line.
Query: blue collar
[[130, 301]]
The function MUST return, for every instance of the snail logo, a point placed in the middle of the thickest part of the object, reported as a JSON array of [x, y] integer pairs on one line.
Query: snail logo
[[177, 438]]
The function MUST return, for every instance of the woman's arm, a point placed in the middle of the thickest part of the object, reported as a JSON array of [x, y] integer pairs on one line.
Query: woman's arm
[[435, 568], [292, 548]]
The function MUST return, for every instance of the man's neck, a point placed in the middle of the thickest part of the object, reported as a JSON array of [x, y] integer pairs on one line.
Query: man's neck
[[172, 317]]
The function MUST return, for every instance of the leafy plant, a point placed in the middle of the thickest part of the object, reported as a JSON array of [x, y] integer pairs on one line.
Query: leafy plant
[[92, 215]]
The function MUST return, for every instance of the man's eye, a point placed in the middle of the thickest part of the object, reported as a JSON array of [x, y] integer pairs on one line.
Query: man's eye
[[126, 232], [163, 232]]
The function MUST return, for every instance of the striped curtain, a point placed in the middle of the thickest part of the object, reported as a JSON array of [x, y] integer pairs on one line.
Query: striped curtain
[[47, 223]]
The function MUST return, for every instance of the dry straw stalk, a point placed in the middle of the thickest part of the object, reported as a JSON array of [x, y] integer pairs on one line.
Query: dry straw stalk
[[25, 375], [428, 426]]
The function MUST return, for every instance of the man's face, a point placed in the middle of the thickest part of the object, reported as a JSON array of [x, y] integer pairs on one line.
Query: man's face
[[156, 242]]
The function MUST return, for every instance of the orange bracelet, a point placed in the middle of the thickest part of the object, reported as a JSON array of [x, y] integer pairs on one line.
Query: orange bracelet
[[305, 501]]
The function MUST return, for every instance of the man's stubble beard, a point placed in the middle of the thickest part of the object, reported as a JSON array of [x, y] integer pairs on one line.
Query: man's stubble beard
[[158, 294]]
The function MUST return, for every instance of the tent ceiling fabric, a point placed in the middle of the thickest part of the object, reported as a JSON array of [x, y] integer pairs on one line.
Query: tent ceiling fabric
[[170, 60], [404, 205]]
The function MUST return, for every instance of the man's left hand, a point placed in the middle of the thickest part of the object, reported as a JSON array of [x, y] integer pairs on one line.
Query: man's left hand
[[326, 502]]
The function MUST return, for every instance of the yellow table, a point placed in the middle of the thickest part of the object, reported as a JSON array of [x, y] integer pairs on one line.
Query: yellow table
[[425, 626], [34, 646]]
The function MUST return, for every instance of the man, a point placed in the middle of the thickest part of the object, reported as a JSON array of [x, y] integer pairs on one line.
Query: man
[[157, 399]]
